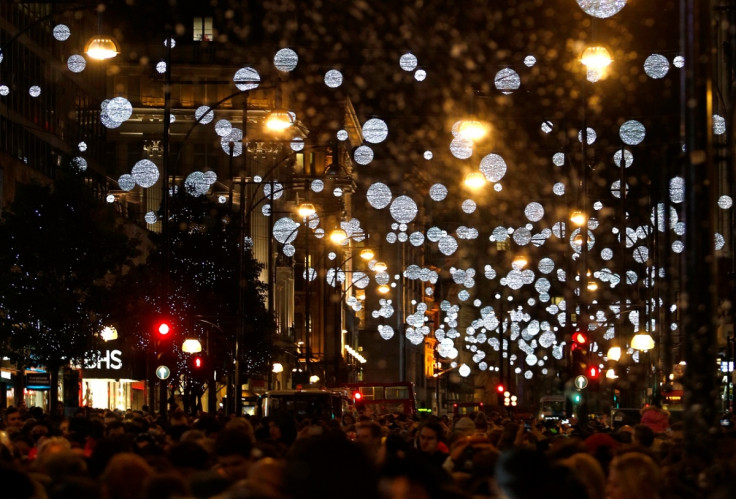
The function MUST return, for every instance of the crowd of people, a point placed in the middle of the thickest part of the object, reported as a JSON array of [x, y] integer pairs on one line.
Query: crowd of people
[[138, 454]]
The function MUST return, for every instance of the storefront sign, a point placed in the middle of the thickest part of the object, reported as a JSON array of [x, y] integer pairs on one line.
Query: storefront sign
[[38, 381]]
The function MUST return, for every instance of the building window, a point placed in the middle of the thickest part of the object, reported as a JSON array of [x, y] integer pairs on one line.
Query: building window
[[202, 29]]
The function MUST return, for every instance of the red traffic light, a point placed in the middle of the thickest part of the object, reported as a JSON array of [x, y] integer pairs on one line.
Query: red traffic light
[[163, 328], [580, 337], [500, 388], [197, 362], [593, 372], [357, 396]]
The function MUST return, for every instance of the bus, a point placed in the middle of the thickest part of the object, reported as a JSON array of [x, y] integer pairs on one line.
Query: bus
[[375, 398], [552, 407], [307, 404]]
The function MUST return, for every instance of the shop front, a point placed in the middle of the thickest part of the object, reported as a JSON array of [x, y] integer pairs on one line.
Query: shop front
[[115, 381]]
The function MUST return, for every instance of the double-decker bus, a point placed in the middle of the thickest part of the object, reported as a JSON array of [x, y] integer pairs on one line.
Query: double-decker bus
[[375, 398], [311, 404]]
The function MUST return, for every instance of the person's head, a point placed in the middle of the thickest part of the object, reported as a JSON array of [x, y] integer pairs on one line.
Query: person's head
[[125, 476], [429, 436], [633, 474], [589, 472], [643, 435], [233, 449], [368, 435], [13, 418]]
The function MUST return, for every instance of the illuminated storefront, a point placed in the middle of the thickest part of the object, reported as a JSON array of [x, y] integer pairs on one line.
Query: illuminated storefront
[[114, 381]]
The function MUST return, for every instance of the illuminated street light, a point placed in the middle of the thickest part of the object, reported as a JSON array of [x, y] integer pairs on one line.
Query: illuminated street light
[[277, 368], [642, 341], [384, 288], [519, 262], [473, 130], [191, 345], [596, 57], [578, 218], [306, 210], [614, 353], [380, 267], [475, 180], [337, 236], [101, 47], [279, 120], [367, 254]]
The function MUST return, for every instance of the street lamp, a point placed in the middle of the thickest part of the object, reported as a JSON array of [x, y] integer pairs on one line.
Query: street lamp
[[642, 341], [305, 211], [102, 47], [475, 180]]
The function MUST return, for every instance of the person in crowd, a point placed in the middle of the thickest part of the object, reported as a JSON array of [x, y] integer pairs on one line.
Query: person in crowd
[[428, 440], [233, 451], [589, 472], [369, 435], [633, 475], [13, 420], [655, 417]]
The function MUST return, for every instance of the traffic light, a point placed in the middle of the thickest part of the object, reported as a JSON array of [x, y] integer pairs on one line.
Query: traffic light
[[357, 396], [580, 339], [500, 388], [163, 329], [198, 366], [576, 398], [593, 372]]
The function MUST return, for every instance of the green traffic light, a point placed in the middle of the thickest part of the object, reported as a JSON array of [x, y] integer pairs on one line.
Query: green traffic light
[[576, 398]]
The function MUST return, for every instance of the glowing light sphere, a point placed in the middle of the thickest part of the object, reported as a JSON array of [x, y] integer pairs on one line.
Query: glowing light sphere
[[507, 81], [719, 124], [285, 60], [546, 265], [403, 209], [297, 144], [363, 155], [379, 195], [161, 67], [233, 140], [461, 147], [204, 115], [464, 370], [725, 202], [342, 135], [632, 133], [150, 217], [246, 78], [559, 189], [447, 245], [558, 159], [678, 61], [656, 66], [34, 91], [420, 75], [61, 32], [119, 109], [82, 146], [438, 192], [385, 331], [493, 167], [375, 131], [416, 239], [408, 62], [223, 128], [469, 206], [591, 136], [530, 61], [79, 163], [534, 211], [145, 173], [428, 155], [76, 63], [546, 126], [601, 8], [333, 78], [628, 158], [4, 90], [126, 182], [677, 190]]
